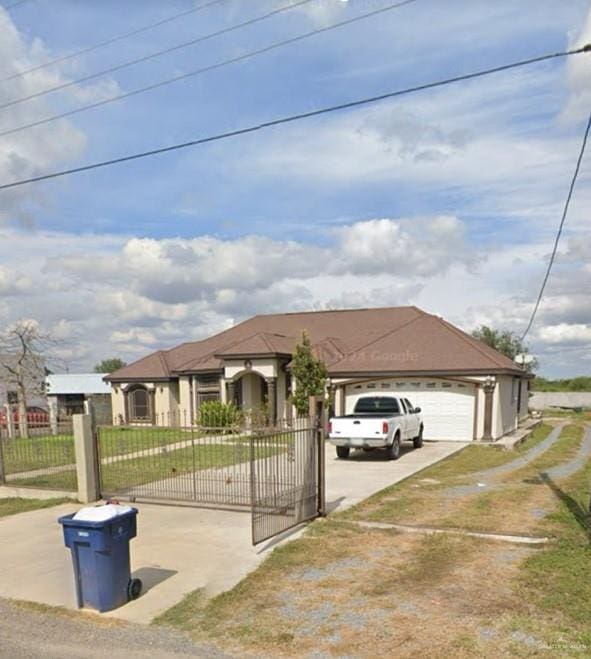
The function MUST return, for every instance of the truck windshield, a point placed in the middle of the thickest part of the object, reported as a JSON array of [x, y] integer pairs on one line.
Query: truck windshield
[[377, 405]]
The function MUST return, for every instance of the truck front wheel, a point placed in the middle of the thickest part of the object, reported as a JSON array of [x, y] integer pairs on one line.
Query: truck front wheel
[[343, 452], [418, 440]]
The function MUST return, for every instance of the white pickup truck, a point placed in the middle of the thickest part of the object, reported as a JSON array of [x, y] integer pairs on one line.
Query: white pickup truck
[[377, 422]]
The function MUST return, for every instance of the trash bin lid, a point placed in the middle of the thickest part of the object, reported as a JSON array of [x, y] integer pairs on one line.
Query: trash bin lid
[[101, 513]]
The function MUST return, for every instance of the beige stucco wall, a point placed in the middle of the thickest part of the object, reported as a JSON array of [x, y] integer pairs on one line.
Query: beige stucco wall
[[184, 396], [505, 406], [524, 409], [281, 395], [479, 422], [166, 404], [267, 368], [166, 401], [117, 404]]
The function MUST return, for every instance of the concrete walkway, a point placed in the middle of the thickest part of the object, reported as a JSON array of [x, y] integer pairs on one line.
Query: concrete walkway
[[182, 549]]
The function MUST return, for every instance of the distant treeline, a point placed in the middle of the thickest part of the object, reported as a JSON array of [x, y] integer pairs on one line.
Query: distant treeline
[[582, 383]]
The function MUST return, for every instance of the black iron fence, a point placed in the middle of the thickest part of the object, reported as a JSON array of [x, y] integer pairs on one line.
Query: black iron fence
[[284, 483], [38, 454], [201, 465]]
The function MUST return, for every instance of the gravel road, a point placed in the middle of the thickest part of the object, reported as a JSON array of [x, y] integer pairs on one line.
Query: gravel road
[[27, 634]]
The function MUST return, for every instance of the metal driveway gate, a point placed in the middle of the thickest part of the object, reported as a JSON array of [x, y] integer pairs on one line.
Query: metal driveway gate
[[274, 473], [287, 484]]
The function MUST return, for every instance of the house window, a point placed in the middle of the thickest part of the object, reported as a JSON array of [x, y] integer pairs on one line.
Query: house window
[[371, 386], [431, 385], [208, 388], [208, 396], [386, 385], [139, 404]]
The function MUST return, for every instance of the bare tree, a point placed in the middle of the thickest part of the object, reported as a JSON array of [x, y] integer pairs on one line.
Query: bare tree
[[23, 351]]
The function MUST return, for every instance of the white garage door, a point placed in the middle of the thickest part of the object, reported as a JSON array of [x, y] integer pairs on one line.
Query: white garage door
[[447, 408]]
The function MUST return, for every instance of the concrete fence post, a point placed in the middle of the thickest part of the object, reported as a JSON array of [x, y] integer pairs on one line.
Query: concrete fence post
[[53, 414], [86, 467], [10, 421], [2, 469]]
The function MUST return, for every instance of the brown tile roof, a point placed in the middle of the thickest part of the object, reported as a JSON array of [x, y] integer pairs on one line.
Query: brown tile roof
[[262, 343], [351, 342], [427, 344]]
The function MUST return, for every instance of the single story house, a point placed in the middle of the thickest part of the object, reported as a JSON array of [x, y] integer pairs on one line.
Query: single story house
[[466, 389], [67, 392]]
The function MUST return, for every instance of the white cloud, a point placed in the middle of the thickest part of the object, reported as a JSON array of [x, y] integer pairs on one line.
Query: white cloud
[[177, 271], [566, 334], [28, 153], [109, 294], [104, 295], [421, 246], [13, 283], [579, 76]]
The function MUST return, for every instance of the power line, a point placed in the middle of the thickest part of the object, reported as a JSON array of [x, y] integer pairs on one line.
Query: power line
[[560, 226], [297, 117], [205, 69], [112, 40], [159, 53]]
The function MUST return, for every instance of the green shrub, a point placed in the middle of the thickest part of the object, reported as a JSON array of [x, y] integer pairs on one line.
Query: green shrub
[[215, 414]]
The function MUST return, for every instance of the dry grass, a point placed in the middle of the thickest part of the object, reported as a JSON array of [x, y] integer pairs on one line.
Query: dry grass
[[343, 590], [16, 505], [82, 615]]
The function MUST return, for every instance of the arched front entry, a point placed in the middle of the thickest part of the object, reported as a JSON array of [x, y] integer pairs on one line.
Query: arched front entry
[[251, 391]]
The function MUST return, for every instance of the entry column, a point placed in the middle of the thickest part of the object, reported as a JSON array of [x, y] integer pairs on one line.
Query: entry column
[[272, 393], [489, 389]]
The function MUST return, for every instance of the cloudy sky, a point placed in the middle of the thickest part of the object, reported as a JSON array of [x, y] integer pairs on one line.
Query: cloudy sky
[[447, 199]]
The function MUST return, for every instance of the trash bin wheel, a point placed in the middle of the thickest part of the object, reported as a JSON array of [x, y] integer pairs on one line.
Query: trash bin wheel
[[134, 589]]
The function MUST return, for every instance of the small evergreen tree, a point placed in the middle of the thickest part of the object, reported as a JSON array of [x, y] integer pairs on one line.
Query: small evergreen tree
[[310, 375]]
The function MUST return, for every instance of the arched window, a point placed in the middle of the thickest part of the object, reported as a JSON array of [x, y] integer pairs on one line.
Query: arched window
[[139, 404]]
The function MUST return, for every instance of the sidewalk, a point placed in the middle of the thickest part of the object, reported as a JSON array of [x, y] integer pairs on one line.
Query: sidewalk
[[181, 549]]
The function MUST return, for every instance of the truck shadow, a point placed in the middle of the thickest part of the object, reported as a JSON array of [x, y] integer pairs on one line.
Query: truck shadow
[[375, 455]]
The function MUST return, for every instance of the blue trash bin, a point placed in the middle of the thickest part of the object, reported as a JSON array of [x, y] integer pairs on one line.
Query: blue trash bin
[[100, 557]]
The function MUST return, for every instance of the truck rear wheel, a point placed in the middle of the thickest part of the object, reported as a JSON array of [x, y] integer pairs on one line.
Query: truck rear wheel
[[394, 448], [343, 452]]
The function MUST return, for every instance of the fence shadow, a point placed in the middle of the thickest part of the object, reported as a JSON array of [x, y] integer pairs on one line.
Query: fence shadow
[[579, 513]]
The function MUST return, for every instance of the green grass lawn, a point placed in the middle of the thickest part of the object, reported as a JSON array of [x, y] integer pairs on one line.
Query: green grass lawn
[[25, 454], [556, 580], [14, 506], [58, 450], [119, 441], [403, 501], [124, 474]]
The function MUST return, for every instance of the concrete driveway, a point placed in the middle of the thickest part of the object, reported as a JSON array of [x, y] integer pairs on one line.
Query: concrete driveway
[[182, 549]]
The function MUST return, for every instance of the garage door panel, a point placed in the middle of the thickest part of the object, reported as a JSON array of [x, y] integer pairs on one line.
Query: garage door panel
[[447, 411]]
